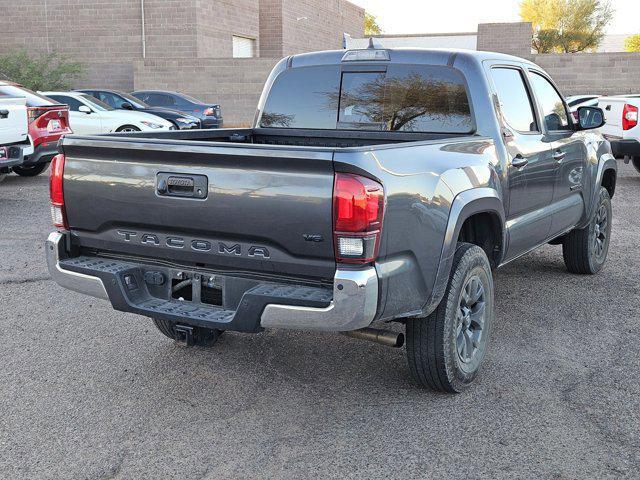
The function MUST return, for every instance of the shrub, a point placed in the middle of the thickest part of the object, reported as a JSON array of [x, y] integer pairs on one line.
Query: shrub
[[46, 71]]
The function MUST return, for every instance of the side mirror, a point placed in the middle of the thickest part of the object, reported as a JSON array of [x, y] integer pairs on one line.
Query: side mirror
[[126, 106], [84, 109], [590, 118]]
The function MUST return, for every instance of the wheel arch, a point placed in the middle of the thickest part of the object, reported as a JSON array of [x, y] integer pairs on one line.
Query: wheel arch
[[469, 209]]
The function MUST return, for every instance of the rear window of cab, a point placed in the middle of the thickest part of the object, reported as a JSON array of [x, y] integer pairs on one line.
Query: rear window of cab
[[398, 97]]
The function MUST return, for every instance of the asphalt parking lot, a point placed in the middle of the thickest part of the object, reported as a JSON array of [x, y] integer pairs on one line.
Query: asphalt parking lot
[[88, 392]]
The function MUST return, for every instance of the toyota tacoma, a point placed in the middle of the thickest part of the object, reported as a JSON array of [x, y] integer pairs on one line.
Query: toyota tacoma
[[375, 186]]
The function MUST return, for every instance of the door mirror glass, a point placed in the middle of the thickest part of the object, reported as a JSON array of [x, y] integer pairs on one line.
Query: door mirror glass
[[590, 117], [84, 109], [126, 106]]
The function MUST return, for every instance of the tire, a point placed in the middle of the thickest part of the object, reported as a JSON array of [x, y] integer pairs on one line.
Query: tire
[[585, 250], [446, 349], [202, 337], [30, 170], [2, 177], [128, 128], [636, 163]]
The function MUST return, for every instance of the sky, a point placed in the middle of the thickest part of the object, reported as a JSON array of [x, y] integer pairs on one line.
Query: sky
[[441, 16]]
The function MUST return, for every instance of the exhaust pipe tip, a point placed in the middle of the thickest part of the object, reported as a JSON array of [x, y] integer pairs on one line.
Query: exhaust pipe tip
[[377, 335]]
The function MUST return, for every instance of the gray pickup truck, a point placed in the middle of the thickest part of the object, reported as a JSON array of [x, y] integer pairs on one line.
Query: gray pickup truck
[[376, 186]]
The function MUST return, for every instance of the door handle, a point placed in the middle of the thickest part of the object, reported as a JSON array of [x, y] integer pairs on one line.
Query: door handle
[[559, 155], [519, 161], [4, 113]]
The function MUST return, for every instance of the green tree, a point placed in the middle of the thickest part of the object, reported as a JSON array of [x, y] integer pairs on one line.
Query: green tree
[[371, 26], [632, 43], [46, 71], [567, 26]]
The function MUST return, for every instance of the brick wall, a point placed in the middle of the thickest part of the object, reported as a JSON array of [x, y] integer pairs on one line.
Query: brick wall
[[600, 73], [309, 25], [511, 38], [271, 28], [235, 84], [219, 20]]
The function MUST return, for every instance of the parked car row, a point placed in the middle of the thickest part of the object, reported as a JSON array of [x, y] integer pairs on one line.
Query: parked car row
[[31, 123], [621, 122]]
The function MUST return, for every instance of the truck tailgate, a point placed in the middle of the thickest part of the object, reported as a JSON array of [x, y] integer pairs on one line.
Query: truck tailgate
[[261, 209]]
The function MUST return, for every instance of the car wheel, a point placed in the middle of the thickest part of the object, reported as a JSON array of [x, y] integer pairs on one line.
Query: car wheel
[[201, 337], [30, 170], [585, 250], [128, 128], [636, 163], [2, 176], [446, 349]]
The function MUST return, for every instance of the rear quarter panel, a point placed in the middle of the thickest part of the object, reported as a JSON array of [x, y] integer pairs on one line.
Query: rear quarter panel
[[421, 181]]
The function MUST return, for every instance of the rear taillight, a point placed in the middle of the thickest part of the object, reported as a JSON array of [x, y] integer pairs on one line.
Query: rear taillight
[[35, 113], [209, 112], [629, 116], [56, 193], [358, 209]]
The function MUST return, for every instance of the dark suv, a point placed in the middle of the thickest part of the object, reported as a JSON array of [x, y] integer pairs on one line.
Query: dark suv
[[124, 101], [208, 113]]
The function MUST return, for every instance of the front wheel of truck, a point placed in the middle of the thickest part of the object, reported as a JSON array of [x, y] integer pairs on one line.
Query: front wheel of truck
[[585, 250], [446, 349], [191, 336]]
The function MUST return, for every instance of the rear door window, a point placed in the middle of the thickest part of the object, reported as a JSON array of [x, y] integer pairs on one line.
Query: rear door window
[[515, 102]]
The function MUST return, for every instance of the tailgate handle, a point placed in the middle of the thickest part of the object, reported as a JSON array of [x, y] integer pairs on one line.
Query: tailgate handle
[[176, 185]]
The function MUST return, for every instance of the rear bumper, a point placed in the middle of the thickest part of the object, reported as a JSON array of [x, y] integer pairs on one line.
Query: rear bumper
[[625, 147], [42, 154], [211, 122], [12, 156], [350, 305]]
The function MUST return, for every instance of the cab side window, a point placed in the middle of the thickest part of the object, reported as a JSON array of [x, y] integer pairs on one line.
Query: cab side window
[[553, 109], [515, 102]]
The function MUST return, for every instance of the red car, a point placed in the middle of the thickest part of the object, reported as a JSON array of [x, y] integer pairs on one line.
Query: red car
[[48, 121]]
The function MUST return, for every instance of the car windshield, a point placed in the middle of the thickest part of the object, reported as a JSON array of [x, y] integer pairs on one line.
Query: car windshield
[[96, 104], [33, 99], [136, 102]]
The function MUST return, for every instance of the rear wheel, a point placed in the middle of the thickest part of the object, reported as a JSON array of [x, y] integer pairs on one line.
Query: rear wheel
[[201, 337], [30, 170], [446, 349], [2, 176], [636, 163], [585, 250]]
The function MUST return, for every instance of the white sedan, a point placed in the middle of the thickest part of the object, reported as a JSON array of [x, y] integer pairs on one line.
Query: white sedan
[[89, 116]]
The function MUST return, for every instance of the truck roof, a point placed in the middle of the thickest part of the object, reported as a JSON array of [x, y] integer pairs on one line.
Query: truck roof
[[405, 55]]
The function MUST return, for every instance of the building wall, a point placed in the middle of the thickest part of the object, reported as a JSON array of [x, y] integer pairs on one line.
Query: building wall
[[511, 38], [236, 84], [599, 73], [270, 28], [219, 20], [466, 41], [309, 25]]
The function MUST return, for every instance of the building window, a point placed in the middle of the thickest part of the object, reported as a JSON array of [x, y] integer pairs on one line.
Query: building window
[[243, 47]]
